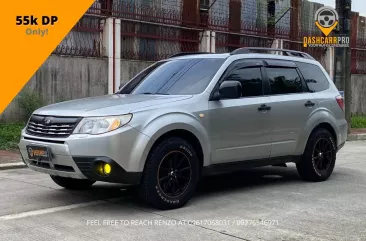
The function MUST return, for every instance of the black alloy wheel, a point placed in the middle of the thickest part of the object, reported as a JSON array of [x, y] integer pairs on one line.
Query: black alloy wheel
[[174, 173], [171, 174], [318, 161], [323, 155]]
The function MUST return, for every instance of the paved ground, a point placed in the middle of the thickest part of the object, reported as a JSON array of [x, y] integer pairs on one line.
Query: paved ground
[[359, 131], [225, 207], [9, 156]]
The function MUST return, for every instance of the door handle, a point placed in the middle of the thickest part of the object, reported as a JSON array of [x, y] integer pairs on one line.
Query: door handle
[[264, 108], [309, 104]]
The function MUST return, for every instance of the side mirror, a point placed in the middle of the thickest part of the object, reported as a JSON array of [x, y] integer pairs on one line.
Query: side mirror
[[228, 90]]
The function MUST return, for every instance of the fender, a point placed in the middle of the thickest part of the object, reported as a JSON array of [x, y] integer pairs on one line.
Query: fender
[[162, 124], [319, 116]]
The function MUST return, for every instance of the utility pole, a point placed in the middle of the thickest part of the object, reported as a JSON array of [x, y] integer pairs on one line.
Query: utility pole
[[344, 11], [347, 87]]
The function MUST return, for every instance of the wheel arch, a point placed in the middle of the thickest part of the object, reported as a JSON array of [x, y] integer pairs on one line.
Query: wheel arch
[[187, 128], [328, 127], [319, 119], [323, 125], [185, 135]]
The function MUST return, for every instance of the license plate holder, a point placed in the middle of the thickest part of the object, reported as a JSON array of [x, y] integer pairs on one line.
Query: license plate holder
[[39, 153]]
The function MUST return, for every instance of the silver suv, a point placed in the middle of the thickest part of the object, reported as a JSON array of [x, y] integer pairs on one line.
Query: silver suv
[[191, 115]]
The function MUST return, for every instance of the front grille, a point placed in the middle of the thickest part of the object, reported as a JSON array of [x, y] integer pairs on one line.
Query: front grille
[[51, 126], [44, 140], [56, 167], [64, 168], [85, 166]]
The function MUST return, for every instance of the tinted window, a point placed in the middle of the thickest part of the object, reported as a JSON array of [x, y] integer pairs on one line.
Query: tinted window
[[250, 79], [126, 89], [314, 77], [177, 77], [284, 80]]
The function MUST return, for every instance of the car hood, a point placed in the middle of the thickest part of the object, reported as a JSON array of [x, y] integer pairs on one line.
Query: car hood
[[107, 105]]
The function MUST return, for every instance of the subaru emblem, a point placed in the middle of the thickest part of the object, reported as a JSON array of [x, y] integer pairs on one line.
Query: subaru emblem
[[47, 120]]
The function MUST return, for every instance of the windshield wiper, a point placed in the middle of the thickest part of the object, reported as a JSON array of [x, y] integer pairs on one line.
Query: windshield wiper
[[149, 93]]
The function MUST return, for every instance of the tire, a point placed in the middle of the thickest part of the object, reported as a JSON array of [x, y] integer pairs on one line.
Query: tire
[[318, 160], [72, 183], [172, 164]]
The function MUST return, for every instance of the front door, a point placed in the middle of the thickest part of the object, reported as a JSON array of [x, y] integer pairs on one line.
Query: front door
[[240, 128]]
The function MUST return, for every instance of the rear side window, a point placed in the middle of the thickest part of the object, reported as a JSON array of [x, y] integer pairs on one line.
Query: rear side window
[[250, 79], [284, 81], [314, 77]]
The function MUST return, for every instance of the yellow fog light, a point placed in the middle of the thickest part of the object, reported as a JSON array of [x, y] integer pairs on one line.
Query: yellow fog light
[[107, 169]]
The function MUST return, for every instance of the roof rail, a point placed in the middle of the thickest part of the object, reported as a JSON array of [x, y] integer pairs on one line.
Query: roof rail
[[287, 52], [188, 53]]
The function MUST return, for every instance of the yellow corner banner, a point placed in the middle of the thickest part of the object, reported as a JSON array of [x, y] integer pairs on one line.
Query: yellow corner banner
[[31, 30]]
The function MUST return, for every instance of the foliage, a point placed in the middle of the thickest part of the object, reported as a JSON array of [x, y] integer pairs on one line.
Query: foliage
[[358, 122], [10, 135], [29, 101]]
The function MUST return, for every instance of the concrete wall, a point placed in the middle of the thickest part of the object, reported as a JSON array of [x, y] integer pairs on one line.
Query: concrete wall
[[358, 94], [129, 68], [63, 78]]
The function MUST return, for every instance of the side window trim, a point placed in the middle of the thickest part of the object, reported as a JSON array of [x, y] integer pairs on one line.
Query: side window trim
[[280, 63], [305, 87], [265, 82], [232, 66]]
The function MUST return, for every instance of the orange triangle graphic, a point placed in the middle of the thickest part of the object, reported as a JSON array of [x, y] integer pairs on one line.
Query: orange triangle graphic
[[23, 50], [326, 31]]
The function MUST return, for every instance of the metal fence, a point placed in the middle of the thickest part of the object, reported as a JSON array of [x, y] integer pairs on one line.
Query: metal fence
[[358, 65], [155, 29], [358, 62], [85, 39], [227, 42], [146, 41], [157, 11]]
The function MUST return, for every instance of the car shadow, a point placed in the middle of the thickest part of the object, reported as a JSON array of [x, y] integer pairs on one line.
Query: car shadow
[[252, 178], [221, 184]]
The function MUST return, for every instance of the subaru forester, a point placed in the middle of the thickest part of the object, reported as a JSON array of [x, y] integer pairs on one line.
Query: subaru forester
[[191, 115]]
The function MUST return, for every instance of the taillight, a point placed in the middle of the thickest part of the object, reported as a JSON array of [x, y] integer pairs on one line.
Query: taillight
[[340, 101]]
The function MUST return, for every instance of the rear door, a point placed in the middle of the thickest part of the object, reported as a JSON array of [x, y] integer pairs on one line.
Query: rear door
[[291, 105]]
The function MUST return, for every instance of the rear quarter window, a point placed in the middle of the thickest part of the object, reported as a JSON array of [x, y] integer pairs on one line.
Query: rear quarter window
[[314, 77]]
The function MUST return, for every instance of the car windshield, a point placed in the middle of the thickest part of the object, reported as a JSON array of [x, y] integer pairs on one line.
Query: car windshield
[[174, 77]]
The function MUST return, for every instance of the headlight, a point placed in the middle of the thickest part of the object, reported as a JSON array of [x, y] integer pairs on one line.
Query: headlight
[[99, 125]]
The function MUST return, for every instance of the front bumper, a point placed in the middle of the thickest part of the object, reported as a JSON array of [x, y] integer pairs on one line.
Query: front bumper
[[76, 155]]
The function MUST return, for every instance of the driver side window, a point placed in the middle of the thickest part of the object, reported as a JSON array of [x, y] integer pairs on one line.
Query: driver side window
[[250, 79]]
